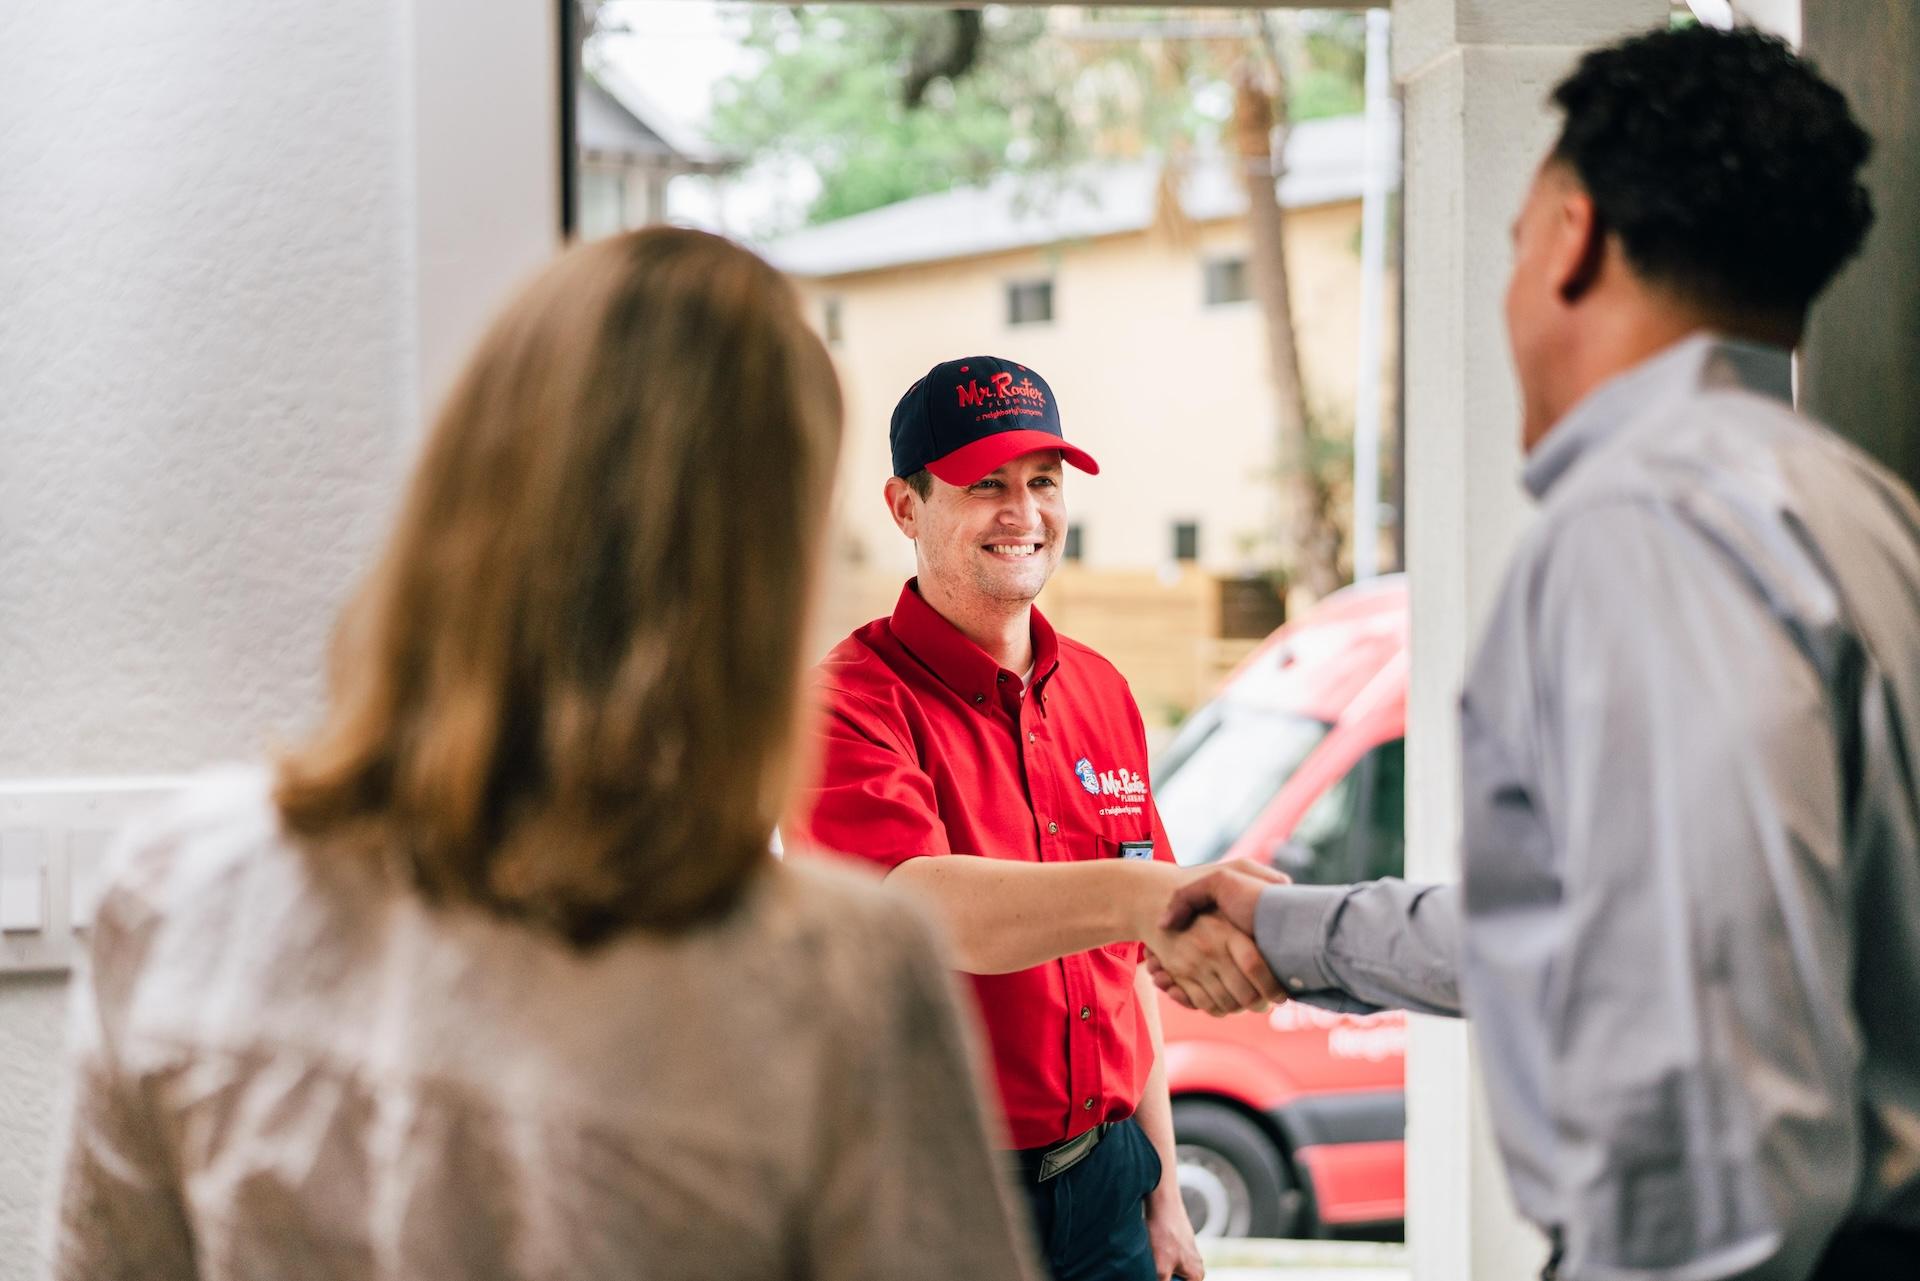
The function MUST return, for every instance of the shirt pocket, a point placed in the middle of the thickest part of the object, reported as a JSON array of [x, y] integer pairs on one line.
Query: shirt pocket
[[1108, 847]]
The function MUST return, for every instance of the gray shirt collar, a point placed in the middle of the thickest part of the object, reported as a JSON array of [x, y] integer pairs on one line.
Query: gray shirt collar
[[1696, 363]]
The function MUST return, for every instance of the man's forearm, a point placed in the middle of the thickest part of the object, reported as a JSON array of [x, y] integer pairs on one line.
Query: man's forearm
[[1002, 916], [1386, 944]]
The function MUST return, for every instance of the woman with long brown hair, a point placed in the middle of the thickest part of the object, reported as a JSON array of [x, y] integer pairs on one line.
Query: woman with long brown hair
[[495, 976]]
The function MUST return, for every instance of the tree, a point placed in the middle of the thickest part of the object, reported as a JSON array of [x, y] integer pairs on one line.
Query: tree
[[1310, 538], [886, 104]]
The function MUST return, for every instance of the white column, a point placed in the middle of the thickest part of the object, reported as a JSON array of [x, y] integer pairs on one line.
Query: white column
[[1476, 74]]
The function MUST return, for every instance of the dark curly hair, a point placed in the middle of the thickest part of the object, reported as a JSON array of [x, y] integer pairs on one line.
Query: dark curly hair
[[1728, 168]]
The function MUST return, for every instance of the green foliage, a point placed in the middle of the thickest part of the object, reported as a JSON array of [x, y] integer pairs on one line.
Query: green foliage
[[828, 93]]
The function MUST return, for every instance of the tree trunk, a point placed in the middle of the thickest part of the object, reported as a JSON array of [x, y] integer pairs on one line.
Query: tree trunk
[[1309, 540]]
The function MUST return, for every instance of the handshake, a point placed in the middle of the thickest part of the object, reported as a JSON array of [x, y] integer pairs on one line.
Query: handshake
[[1200, 946]]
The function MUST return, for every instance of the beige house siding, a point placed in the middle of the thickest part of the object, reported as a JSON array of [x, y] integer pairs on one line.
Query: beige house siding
[[1170, 394]]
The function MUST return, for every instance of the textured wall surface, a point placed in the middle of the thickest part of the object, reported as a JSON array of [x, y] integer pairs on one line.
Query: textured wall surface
[[32, 1025], [206, 330], [1860, 365], [205, 353]]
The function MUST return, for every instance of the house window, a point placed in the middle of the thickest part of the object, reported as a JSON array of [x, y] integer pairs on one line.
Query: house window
[[1186, 540], [1076, 542], [1225, 280], [830, 321], [1030, 302]]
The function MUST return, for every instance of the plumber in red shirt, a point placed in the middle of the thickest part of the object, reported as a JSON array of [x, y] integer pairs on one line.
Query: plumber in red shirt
[[963, 724]]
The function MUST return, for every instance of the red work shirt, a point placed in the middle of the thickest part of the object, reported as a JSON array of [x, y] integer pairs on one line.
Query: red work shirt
[[928, 748]]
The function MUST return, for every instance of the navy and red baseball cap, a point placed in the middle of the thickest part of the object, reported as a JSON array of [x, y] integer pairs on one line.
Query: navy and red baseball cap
[[969, 416]]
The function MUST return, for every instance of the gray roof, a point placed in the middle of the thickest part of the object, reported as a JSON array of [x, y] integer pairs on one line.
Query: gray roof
[[614, 117], [1326, 162]]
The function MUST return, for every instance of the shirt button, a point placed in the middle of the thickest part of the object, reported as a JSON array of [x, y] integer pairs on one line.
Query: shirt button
[[1052, 828], [1001, 678], [1088, 1105], [979, 698], [1296, 984], [1086, 1012], [1032, 737]]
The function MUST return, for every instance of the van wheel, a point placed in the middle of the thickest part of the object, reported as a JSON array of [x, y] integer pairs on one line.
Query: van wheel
[[1233, 1180]]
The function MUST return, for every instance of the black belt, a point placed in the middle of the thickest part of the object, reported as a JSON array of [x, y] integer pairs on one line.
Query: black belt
[[1040, 1164]]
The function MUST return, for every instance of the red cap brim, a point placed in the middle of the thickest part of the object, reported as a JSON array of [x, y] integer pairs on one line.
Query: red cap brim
[[970, 462]]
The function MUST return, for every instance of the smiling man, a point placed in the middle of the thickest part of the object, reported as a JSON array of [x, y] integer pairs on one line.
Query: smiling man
[[964, 725]]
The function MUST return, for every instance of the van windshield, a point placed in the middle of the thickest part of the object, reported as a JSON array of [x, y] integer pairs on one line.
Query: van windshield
[[1227, 764]]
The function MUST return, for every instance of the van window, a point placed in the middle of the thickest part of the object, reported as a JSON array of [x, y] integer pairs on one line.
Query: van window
[[1356, 830], [1223, 770], [1384, 852]]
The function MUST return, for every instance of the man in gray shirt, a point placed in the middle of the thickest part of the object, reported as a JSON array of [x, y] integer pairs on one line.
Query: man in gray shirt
[[1688, 927]]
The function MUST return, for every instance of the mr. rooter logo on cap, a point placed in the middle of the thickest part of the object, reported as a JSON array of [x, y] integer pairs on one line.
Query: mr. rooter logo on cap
[[968, 417], [1000, 396]]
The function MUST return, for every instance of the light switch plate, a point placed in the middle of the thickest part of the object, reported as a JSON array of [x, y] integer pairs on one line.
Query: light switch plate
[[23, 881], [54, 838]]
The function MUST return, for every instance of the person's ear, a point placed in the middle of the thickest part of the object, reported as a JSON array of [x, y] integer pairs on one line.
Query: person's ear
[[1580, 245], [903, 505]]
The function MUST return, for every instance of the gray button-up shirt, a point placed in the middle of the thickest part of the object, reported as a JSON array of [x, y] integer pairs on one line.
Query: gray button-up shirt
[[1691, 864]]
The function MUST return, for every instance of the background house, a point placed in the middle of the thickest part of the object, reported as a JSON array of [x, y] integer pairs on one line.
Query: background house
[[630, 148], [1127, 287]]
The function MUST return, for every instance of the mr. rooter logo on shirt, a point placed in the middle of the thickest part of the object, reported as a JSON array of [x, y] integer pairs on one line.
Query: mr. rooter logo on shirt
[[1124, 786], [1000, 396]]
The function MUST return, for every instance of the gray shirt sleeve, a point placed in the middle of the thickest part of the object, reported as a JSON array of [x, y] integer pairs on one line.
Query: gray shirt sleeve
[[1386, 944]]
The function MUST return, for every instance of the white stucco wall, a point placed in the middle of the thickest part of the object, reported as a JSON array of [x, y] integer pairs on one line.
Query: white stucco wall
[[207, 363], [222, 298]]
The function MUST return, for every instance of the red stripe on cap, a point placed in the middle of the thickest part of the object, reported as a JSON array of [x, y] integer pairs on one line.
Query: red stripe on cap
[[971, 461]]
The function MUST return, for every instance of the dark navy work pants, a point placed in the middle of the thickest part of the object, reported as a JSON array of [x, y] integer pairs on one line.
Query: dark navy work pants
[[1090, 1220]]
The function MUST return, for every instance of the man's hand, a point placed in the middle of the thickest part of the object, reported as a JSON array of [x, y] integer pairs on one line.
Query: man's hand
[[1207, 963], [1226, 896], [1215, 967], [1232, 892], [1175, 1252]]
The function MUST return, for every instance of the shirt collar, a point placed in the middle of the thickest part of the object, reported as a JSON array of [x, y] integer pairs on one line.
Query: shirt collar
[[1699, 362], [960, 664]]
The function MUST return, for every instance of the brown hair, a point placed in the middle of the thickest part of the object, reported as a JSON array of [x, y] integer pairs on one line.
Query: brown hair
[[567, 692]]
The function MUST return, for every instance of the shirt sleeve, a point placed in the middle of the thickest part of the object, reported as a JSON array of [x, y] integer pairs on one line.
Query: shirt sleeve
[[116, 1207], [1386, 944], [1700, 1046], [913, 1184], [869, 798]]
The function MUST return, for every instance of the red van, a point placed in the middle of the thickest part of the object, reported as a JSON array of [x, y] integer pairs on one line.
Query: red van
[[1291, 1123]]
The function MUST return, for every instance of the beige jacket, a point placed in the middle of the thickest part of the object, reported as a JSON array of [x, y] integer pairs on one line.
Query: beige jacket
[[285, 1069]]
